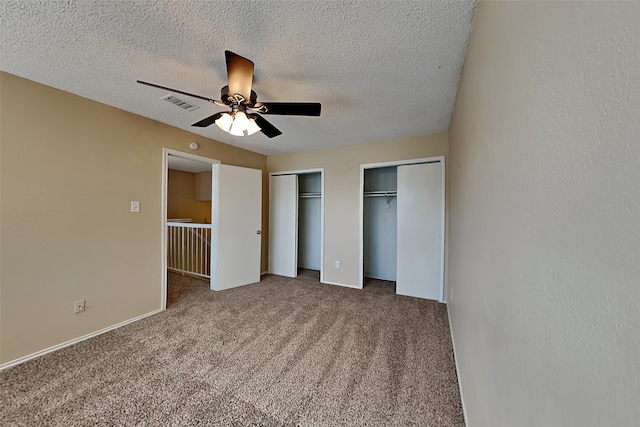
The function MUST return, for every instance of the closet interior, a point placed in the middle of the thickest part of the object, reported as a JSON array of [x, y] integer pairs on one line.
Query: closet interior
[[309, 220], [379, 223]]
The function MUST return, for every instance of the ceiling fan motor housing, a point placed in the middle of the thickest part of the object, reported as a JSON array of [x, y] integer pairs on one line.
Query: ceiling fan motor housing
[[230, 99]]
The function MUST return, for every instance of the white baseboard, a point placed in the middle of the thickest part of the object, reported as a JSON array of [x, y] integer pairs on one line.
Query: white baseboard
[[455, 356], [37, 354], [339, 284]]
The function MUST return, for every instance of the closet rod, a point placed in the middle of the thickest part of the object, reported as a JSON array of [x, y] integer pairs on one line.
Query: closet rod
[[380, 194], [309, 195]]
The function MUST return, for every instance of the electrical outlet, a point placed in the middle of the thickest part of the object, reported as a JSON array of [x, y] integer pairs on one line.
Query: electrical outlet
[[337, 264], [78, 306], [450, 294]]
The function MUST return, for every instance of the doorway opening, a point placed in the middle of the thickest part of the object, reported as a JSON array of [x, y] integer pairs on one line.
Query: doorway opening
[[187, 195]]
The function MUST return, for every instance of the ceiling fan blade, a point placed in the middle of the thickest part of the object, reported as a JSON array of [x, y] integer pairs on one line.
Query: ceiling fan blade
[[293, 108], [240, 74], [208, 121], [266, 127], [213, 101]]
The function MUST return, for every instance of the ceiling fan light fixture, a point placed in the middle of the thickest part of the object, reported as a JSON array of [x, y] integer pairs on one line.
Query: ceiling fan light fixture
[[237, 123], [224, 122], [253, 127], [240, 123]]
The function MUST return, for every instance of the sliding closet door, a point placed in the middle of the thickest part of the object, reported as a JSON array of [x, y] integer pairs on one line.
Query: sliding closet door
[[420, 220], [283, 225]]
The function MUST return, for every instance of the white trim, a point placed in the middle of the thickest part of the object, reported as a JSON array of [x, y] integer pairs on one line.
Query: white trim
[[338, 284], [163, 230], [435, 159], [37, 354], [306, 171], [215, 216], [190, 156], [455, 359], [163, 211], [180, 220], [443, 234], [321, 224], [361, 231], [296, 172], [189, 225]]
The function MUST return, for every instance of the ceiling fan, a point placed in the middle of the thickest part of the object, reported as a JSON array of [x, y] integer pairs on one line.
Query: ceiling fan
[[245, 115]]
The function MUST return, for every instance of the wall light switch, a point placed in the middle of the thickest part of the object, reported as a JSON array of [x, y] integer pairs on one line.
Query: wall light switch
[[135, 206]]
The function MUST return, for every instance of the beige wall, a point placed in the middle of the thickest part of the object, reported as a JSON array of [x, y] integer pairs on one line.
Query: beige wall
[[181, 198], [342, 192], [69, 168], [544, 242]]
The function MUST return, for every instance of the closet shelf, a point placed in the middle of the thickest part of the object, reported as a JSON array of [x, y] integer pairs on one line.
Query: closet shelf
[[309, 195], [380, 194]]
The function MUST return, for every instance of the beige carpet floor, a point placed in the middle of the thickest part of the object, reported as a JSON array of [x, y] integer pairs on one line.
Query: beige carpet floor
[[279, 352]]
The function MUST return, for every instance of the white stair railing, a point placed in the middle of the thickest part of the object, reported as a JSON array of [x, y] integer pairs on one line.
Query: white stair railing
[[189, 248]]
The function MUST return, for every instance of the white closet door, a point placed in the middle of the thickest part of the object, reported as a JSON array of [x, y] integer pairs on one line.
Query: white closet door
[[237, 218], [420, 220], [283, 225]]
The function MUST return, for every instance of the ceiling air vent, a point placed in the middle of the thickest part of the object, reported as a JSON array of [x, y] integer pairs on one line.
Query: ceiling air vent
[[180, 103]]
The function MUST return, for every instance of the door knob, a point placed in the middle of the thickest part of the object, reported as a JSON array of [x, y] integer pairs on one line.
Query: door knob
[[258, 232]]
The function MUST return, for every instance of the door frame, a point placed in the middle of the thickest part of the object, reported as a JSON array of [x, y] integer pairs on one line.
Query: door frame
[[302, 172], [435, 159], [165, 186]]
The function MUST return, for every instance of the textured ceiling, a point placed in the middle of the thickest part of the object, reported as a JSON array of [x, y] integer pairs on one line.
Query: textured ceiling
[[381, 69]]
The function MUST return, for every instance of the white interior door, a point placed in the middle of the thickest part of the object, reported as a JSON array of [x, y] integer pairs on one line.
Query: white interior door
[[236, 235], [420, 220], [283, 225]]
